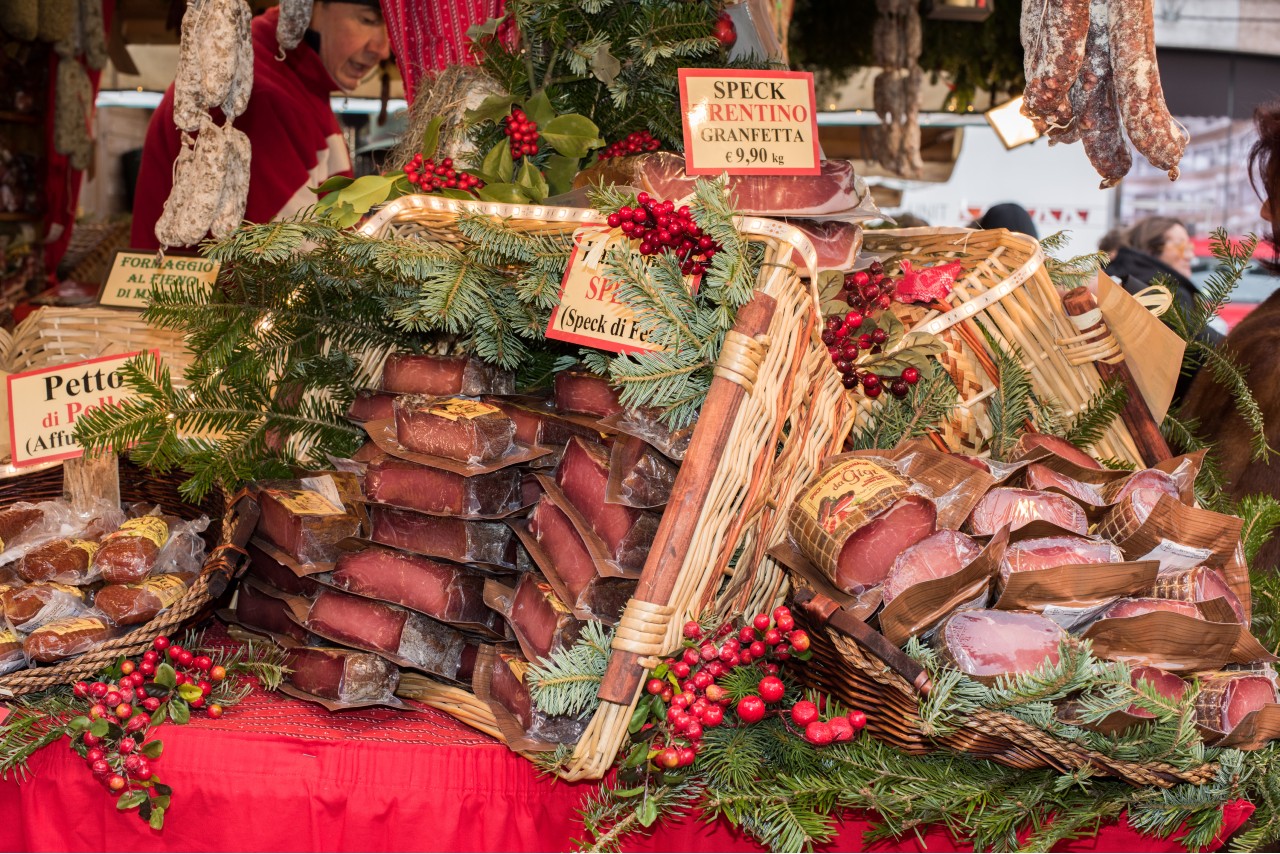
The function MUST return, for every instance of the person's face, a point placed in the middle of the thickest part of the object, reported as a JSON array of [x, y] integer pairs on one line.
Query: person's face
[[353, 41], [1178, 251]]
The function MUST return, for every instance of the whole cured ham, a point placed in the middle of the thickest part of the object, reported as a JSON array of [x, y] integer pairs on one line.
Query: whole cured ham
[[1048, 552], [456, 428], [1226, 698], [405, 373], [990, 644], [1019, 507], [938, 555], [1198, 584], [835, 190]]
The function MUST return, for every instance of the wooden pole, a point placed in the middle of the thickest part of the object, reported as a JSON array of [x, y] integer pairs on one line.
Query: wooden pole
[[1080, 303], [86, 480], [688, 495]]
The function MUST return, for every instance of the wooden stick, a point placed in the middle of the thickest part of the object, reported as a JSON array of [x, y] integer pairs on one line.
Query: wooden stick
[[688, 495], [90, 479], [1137, 417]]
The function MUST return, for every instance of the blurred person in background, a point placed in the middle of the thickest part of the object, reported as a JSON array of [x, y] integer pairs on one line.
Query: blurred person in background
[[1008, 215], [1111, 242], [1255, 344], [297, 142]]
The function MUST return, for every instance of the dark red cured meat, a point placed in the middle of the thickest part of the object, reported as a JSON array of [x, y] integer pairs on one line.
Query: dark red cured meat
[[368, 451], [405, 373], [453, 427], [989, 644], [304, 524], [451, 594], [601, 597], [936, 556], [390, 480], [586, 394], [536, 426], [1019, 507], [1198, 584], [976, 462], [370, 405], [1049, 552], [833, 191], [442, 536], [869, 553], [257, 610], [277, 575], [379, 627], [510, 692], [1122, 608], [16, 521], [583, 476], [643, 476], [836, 242], [542, 622], [1034, 441], [1054, 59], [1168, 684], [1226, 698], [1153, 480], [1147, 121], [343, 675], [1043, 478]]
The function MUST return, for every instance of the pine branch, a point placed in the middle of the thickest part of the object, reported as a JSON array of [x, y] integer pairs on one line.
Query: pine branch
[[928, 404], [567, 683], [1093, 421], [1233, 376], [1210, 486], [1010, 407], [1261, 515]]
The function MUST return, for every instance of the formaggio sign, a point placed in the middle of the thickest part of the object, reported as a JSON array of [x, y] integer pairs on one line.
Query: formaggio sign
[[133, 274]]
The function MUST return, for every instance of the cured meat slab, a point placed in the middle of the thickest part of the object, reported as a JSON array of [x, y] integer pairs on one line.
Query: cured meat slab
[[1041, 553], [259, 610], [1168, 684], [134, 604], [389, 480], [540, 620], [1198, 584], [1019, 507], [507, 688], [441, 536], [583, 477], [371, 405], [989, 644], [343, 675], [833, 191], [837, 243], [1043, 478], [455, 428], [1226, 698], [586, 394], [938, 555], [263, 565], [1136, 607], [639, 476], [378, 627], [1029, 443], [406, 373], [537, 424], [304, 524], [568, 559]]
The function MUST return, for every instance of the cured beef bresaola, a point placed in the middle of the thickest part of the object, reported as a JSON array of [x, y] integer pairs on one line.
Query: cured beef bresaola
[[989, 644], [390, 480], [870, 551], [585, 394], [304, 524], [601, 597], [405, 373], [938, 555], [277, 575], [1019, 507], [639, 475], [627, 532], [378, 627], [442, 536], [257, 610], [543, 623], [343, 675], [540, 426], [507, 688], [371, 405], [456, 428]]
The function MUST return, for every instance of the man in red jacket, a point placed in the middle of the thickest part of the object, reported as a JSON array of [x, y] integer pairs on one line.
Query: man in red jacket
[[297, 143]]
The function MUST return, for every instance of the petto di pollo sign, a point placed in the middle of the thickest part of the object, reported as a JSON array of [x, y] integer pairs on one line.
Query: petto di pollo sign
[[45, 403], [749, 122]]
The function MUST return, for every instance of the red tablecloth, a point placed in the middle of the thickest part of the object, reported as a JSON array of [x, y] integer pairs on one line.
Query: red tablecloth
[[280, 774]]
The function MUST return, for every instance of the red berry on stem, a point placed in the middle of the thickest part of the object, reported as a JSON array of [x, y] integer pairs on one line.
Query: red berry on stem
[[773, 637], [202, 662], [98, 710], [94, 754], [112, 699], [687, 756], [751, 709], [899, 388], [799, 640], [214, 710], [667, 694], [757, 649], [725, 32], [161, 643], [127, 745], [81, 689], [196, 703], [143, 771], [857, 719], [217, 673], [771, 689], [712, 716], [655, 686], [691, 656], [746, 635], [680, 669], [124, 710], [804, 713], [127, 667], [668, 758], [818, 733], [841, 729], [91, 740], [115, 782], [151, 703], [761, 622], [911, 375], [692, 630], [716, 694], [100, 767], [98, 690]]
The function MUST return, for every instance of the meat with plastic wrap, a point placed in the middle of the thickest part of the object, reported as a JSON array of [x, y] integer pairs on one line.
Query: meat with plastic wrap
[[389, 480], [833, 191], [1226, 698], [586, 394], [1019, 507], [1197, 584], [378, 627], [938, 555], [1029, 442], [454, 427], [442, 536], [343, 675], [627, 532], [372, 405], [1042, 478], [1136, 607], [304, 524], [406, 373], [1049, 552], [989, 644], [509, 690], [601, 597], [543, 623]]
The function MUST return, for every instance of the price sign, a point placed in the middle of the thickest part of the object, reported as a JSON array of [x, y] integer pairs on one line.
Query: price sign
[[45, 403], [134, 273], [590, 312], [749, 122]]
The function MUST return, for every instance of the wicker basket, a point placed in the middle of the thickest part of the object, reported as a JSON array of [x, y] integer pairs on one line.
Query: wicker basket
[[1007, 290], [52, 336], [229, 530], [775, 409]]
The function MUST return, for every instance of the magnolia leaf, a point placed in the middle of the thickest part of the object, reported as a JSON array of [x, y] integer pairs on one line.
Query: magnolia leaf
[[560, 172], [366, 192], [605, 66], [166, 676], [431, 137], [492, 109], [511, 194], [453, 193], [337, 182], [531, 181], [131, 799], [402, 187], [345, 216], [572, 135], [539, 109], [498, 167]]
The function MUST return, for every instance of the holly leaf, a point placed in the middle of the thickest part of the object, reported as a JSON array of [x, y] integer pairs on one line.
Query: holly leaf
[[510, 194], [647, 814], [571, 135], [157, 818], [491, 109], [605, 66], [498, 167], [490, 27], [531, 181], [190, 692], [179, 711], [560, 171], [539, 109], [131, 799], [431, 137], [337, 182], [152, 749], [166, 676], [99, 727]]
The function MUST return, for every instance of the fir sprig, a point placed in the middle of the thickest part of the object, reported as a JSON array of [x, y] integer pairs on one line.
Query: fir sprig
[[1097, 416], [567, 682], [928, 403]]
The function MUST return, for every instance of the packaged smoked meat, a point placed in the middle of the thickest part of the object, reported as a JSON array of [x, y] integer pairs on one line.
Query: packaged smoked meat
[[342, 675], [456, 428], [264, 564], [559, 549], [371, 405], [1045, 479], [585, 394], [27, 608], [488, 543], [538, 424], [67, 561], [583, 478], [12, 656], [987, 645], [1034, 445], [646, 424], [401, 483], [499, 681], [67, 637], [129, 553], [542, 623], [1020, 507], [938, 555], [639, 476], [305, 524], [855, 517], [134, 604], [1166, 634], [1226, 698], [257, 608], [1197, 584], [1040, 553], [407, 373]]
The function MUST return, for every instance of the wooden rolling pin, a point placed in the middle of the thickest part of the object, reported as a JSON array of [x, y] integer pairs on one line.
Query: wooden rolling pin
[[1087, 318]]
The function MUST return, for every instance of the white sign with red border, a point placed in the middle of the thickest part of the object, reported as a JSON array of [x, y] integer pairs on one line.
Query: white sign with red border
[[749, 122], [45, 403]]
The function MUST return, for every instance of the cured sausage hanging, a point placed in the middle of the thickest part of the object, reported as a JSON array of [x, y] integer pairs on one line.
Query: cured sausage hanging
[[1092, 77]]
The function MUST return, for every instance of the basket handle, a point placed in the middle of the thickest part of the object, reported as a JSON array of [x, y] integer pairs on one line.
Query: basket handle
[[242, 518], [825, 611]]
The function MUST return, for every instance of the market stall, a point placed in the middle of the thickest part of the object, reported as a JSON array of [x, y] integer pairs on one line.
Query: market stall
[[598, 474]]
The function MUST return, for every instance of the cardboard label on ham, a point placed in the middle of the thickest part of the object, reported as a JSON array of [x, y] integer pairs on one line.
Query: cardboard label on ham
[[749, 122], [154, 528], [461, 408]]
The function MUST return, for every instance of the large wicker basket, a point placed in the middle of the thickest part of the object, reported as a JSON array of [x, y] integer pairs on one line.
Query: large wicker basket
[[53, 335], [775, 409], [1006, 290]]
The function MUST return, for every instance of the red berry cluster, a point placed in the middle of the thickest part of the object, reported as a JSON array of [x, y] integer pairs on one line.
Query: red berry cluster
[[430, 176], [847, 336], [523, 133], [636, 142], [701, 701], [662, 227], [806, 715], [112, 735]]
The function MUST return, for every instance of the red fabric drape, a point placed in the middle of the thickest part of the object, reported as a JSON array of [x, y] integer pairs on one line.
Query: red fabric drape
[[428, 35], [62, 183]]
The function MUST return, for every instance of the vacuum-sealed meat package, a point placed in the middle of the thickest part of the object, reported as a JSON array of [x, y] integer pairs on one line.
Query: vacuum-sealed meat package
[[389, 480], [989, 644], [1226, 698], [305, 524], [639, 476], [563, 555], [28, 607], [459, 540], [938, 555], [407, 373], [585, 394], [342, 675], [456, 428], [626, 532], [1198, 584], [134, 604], [1020, 507], [1041, 553], [67, 637]]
